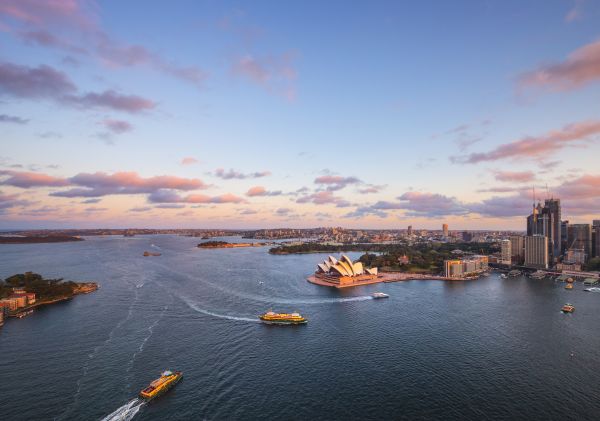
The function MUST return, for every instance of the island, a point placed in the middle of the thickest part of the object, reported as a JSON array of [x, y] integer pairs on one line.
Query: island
[[22, 292], [225, 245], [36, 239]]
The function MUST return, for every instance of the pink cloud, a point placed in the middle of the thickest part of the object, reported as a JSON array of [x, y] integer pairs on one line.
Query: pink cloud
[[188, 160], [580, 68], [117, 126], [261, 191], [514, 176], [30, 179], [102, 184], [540, 146], [166, 196], [75, 21]]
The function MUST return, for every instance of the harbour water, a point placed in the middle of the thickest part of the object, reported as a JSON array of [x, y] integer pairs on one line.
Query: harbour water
[[491, 348]]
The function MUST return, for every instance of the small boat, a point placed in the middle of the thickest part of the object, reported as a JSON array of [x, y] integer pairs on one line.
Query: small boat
[[167, 380], [23, 313], [378, 295], [592, 289], [569, 286], [273, 318], [538, 275], [568, 308], [149, 253], [503, 276], [514, 273]]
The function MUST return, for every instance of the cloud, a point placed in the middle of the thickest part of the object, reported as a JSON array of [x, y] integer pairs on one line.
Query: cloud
[[188, 160], [90, 201], [248, 211], [39, 82], [276, 74], [575, 13], [4, 118], [27, 180], [283, 211], [50, 135], [514, 176], [44, 82], [8, 201], [538, 146], [370, 188], [233, 174], [94, 209], [363, 211], [117, 126], [170, 206], [139, 209], [324, 198], [336, 182], [169, 196], [261, 191], [102, 184], [580, 68], [80, 33], [426, 205]]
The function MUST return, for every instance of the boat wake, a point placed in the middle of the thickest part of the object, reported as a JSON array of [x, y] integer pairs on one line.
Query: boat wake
[[195, 307], [323, 300], [126, 412]]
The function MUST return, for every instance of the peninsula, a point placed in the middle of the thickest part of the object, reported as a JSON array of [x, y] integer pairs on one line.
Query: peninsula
[[225, 245], [22, 292], [37, 239]]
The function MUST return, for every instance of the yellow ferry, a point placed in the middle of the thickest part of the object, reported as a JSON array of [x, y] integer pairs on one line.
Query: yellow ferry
[[167, 380], [282, 318]]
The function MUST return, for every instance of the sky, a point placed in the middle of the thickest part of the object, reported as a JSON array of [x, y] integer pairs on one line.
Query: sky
[[258, 114]]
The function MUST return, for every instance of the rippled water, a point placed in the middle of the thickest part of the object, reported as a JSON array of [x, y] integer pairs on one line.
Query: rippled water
[[490, 348]]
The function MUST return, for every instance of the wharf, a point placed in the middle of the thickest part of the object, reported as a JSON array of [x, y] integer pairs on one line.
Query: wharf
[[388, 277]]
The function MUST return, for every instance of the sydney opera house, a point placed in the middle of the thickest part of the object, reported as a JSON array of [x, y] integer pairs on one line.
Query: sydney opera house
[[343, 272]]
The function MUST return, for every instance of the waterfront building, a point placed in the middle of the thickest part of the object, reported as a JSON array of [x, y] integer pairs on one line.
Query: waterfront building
[[343, 271], [575, 267], [580, 237], [30, 297], [506, 252], [20, 298], [536, 251], [10, 303], [445, 230], [517, 249], [1, 317], [461, 268]]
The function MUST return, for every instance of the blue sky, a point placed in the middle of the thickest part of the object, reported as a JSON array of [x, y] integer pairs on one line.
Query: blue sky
[[363, 114]]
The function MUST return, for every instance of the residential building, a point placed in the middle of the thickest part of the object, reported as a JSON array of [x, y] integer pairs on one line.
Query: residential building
[[10, 303], [445, 230], [536, 251], [460, 268]]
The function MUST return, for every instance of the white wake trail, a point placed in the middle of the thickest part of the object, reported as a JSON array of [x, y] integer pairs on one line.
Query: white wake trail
[[126, 412], [195, 307]]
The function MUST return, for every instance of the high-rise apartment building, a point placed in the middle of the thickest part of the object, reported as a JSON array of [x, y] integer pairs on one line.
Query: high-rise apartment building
[[564, 236], [552, 209], [536, 251], [445, 230]]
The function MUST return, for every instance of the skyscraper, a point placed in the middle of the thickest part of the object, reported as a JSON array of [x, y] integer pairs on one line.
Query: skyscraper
[[596, 244], [564, 236], [552, 209], [536, 251], [409, 231], [445, 229], [580, 238], [517, 249]]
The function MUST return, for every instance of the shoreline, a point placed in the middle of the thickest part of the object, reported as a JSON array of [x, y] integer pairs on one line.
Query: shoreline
[[389, 277], [83, 288]]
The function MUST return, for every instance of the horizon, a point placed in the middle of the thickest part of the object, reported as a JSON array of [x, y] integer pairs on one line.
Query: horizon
[[207, 115]]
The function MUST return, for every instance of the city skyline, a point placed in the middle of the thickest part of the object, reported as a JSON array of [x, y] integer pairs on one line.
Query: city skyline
[[266, 115]]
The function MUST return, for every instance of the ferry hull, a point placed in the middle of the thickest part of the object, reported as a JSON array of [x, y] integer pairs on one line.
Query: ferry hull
[[162, 391]]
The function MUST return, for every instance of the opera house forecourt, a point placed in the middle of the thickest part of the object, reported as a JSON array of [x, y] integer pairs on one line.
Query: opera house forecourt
[[343, 273]]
